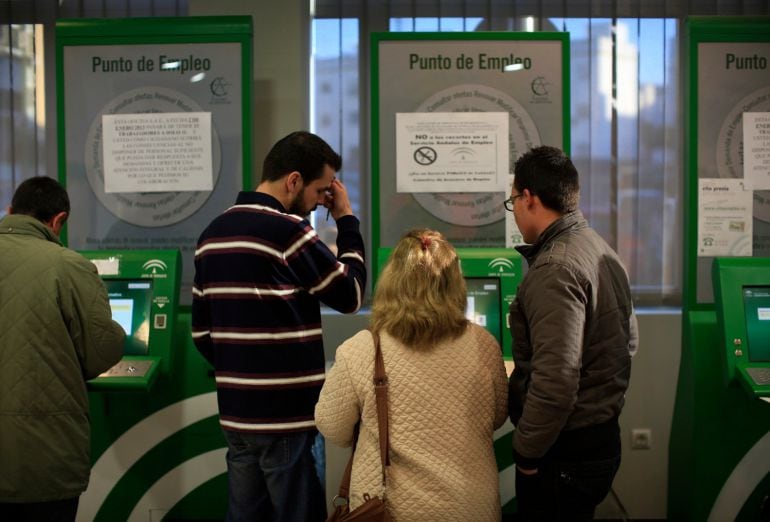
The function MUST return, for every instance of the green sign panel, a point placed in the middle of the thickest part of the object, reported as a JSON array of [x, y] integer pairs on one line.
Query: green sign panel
[[450, 115], [154, 123]]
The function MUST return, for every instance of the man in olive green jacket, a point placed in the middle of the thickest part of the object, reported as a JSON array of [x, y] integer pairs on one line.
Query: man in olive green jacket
[[56, 332]]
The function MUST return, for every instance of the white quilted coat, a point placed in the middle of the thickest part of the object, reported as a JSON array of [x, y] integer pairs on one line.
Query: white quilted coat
[[444, 405]]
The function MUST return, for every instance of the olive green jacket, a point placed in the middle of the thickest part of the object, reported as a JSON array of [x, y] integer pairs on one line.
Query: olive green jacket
[[56, 332]]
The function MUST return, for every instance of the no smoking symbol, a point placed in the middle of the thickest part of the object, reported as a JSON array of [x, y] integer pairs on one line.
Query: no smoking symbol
[[425, 155]]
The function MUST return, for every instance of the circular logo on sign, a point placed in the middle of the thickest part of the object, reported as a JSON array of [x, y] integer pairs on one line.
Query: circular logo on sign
[[146, 209], [219, 86], [539, 86], [729, 153], [478, 208]]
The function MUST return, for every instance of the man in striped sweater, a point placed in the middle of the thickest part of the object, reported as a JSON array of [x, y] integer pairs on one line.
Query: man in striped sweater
[[260, 273]]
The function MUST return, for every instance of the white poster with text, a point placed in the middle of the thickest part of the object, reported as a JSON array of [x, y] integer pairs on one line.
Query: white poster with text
[[451, 152], [157, 152]]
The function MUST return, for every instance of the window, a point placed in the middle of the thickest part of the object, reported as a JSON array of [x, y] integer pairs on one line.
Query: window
[[27, 124], [626, 143], [335, 109], [626, 123], [22, 112]]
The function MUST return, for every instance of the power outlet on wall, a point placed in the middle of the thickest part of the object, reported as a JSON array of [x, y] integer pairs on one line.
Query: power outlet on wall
[[641, 438]]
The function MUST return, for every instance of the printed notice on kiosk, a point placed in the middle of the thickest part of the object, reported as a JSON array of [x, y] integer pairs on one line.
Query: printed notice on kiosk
[[452, 152], [724, 217], [157, 152]]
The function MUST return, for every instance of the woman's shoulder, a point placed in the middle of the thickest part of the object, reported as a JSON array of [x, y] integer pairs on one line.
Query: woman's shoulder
[[480, 337], [479, 334], [354, 346]]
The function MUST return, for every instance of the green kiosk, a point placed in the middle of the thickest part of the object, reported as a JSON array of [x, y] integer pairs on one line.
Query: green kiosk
[[742, 288], [143, 291], [719, 452]]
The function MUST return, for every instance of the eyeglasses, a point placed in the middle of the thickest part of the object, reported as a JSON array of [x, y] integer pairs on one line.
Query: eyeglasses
[[508, 203]]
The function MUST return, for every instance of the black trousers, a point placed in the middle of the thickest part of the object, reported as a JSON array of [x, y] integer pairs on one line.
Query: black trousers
[[564, 490], [53, 511], [573, 477]]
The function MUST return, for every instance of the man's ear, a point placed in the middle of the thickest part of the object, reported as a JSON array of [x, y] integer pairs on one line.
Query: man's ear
[[56, 223], [294, 182], [531, 200]]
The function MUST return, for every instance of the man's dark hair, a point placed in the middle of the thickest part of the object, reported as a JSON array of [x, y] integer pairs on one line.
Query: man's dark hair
[[301, 151], [549, 174], [40, 197]]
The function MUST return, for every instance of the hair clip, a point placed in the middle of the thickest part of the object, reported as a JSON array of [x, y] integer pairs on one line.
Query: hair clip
[[425, 242]]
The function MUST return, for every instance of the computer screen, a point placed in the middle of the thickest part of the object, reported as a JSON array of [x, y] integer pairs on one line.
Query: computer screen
[[484, 304], [756, 306], [130, 301]]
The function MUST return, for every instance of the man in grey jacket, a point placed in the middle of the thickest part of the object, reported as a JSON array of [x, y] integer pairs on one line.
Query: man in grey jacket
[[574, 332], [56, 331]]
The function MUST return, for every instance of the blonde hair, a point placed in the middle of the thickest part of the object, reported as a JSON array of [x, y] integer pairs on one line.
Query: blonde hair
[[420, 297]]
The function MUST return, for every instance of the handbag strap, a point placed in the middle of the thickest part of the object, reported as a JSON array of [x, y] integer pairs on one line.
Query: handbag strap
[[345, 482], [381, 396]]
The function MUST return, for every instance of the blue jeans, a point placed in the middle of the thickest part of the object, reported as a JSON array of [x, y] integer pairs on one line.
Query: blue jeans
[[564, 490], [273, 478]]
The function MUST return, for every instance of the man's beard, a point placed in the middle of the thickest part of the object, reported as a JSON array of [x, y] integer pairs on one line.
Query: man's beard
[[296, 206]]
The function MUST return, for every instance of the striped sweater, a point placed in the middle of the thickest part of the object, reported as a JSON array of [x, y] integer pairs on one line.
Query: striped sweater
[[260, 274]]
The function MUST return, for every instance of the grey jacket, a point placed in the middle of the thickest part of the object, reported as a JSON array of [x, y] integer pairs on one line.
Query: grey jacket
[[574, 332], [56, 331]]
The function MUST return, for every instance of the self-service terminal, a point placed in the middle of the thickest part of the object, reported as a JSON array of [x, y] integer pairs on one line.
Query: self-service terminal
[[492, 276], [143, 291], [719, 451], [742, 301]]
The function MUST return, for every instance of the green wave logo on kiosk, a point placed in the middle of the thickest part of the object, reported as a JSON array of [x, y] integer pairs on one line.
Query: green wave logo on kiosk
[[501, 264], [152, 267]]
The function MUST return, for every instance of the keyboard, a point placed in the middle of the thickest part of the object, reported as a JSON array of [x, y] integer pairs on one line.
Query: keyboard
[[761, 376]]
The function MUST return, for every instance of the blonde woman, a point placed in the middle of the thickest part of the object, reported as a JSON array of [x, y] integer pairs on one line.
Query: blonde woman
[[447, 392]]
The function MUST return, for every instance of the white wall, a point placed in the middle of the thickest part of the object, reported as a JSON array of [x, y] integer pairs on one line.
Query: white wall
[[642, 482]]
